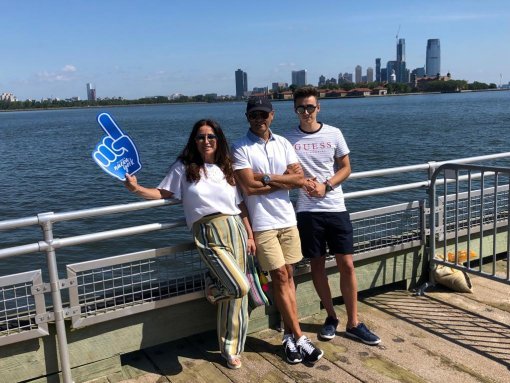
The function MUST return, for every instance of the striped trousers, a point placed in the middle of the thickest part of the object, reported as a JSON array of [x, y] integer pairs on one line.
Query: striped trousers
[[221, 241]]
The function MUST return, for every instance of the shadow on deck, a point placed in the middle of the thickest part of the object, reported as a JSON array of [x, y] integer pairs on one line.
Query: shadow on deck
[[440, 337]]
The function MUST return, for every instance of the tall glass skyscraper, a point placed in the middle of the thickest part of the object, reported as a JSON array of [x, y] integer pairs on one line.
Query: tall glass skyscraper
[[401, 50], [91, 92], [299, 77], [378, 69], [433, 63], [241, 83]]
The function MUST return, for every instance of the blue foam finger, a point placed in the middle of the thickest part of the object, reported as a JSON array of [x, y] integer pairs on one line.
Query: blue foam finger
[[116, 153], [109, 126]]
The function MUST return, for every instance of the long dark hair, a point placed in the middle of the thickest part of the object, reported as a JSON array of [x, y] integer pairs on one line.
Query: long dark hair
[[193, 161]]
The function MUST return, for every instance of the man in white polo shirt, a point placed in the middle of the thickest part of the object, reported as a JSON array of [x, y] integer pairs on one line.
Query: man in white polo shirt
[[266, 167]]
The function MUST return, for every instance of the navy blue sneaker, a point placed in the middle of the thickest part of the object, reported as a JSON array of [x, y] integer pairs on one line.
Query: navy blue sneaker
[[292, 353], [311, 354], [328, 330], [362, 333]]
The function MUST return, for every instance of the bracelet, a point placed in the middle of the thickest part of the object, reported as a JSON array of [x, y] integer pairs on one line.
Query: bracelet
[[329, 186]]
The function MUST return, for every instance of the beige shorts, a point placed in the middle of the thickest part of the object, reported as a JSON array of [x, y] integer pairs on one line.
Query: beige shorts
[[278, 247]]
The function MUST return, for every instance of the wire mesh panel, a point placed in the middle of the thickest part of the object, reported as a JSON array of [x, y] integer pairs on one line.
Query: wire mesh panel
[[131, 283], [22, 307], [463, 210], [387, 229]]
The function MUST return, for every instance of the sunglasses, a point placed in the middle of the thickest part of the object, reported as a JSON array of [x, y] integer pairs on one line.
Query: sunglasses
[[202, 137], [308, 108], [260, 114]]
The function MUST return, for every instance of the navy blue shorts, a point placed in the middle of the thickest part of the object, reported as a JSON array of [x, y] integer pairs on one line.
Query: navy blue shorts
[[316, 229]]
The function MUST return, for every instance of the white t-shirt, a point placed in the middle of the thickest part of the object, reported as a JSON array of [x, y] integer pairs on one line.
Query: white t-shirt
[[317, 154], [211, 194], [273, 210]]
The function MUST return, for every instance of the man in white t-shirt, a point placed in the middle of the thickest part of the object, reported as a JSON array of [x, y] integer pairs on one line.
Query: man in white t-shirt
[[321, 213], [266, 167]]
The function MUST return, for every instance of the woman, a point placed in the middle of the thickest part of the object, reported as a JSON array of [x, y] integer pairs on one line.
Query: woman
[[203, 178]]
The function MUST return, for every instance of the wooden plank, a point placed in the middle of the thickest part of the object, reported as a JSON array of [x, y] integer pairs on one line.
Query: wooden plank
[[106, 370], [268, 345], [437, 340], [180, 362], [255, 368]]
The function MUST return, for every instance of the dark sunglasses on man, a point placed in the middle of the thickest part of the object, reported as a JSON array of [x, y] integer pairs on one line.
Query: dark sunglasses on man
[[258, 115], [308, 108]]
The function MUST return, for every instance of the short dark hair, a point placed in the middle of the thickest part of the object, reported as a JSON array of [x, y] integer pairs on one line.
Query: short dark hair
[[305, 91]]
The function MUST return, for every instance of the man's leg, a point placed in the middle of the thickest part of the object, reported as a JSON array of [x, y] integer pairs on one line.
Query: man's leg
[[284, 292], [320, 282], [348, 287]]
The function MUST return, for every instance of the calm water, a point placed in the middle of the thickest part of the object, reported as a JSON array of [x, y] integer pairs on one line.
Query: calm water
[[46, 162]]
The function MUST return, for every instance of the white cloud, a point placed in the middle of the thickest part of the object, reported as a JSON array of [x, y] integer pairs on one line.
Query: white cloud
[[69, 68]]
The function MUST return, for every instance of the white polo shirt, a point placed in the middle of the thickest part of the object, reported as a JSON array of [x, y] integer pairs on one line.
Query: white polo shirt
[[273, 210]]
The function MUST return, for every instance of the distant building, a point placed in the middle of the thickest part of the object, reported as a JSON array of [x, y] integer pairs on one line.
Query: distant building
[[393, 77], [391, 68], [357, 73], [421, 82], [263, 90], [433, 60], [370, 74], [175, 96], [8, 97], [417, 73], [378, 70], [91, 92], [299, 77], [401, 50], [241, 83], [285, 95], [384, 75], [322, 81], [401, 72], [360, 92], [277, 86], [343, 78], [379, 91]]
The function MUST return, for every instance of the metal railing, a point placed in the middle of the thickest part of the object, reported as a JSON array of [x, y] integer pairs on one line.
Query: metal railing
[[469, 226], [125, 284]]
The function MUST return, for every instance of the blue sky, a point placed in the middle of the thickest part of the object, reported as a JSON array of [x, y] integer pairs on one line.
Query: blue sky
[[134, 48]]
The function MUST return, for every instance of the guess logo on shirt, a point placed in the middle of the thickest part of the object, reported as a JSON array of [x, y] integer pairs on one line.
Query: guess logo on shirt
[[313, 146]]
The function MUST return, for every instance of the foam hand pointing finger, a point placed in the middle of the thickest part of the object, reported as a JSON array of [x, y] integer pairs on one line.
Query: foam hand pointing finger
[[116, 154]]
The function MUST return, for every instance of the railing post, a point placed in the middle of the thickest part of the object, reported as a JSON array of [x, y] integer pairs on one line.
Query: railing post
[[51, 259]]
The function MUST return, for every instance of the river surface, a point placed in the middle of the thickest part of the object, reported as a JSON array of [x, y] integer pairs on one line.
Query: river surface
[[46, 162]]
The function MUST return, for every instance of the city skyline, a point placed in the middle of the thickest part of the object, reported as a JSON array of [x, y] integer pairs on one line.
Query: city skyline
[[132, 51]]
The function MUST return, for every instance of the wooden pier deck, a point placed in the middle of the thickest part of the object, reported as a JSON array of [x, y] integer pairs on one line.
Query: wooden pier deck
[[440, 337]]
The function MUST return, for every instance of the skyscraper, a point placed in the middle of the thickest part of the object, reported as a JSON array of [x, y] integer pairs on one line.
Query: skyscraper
[[401, 50], [241, 83], [401, 71], [433, 61], [299, 77], [370, 74], [357, 74], [378, 70], [91, 92]]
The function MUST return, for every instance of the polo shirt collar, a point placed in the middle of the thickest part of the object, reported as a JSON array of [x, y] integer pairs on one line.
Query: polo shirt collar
[[254, 138]]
